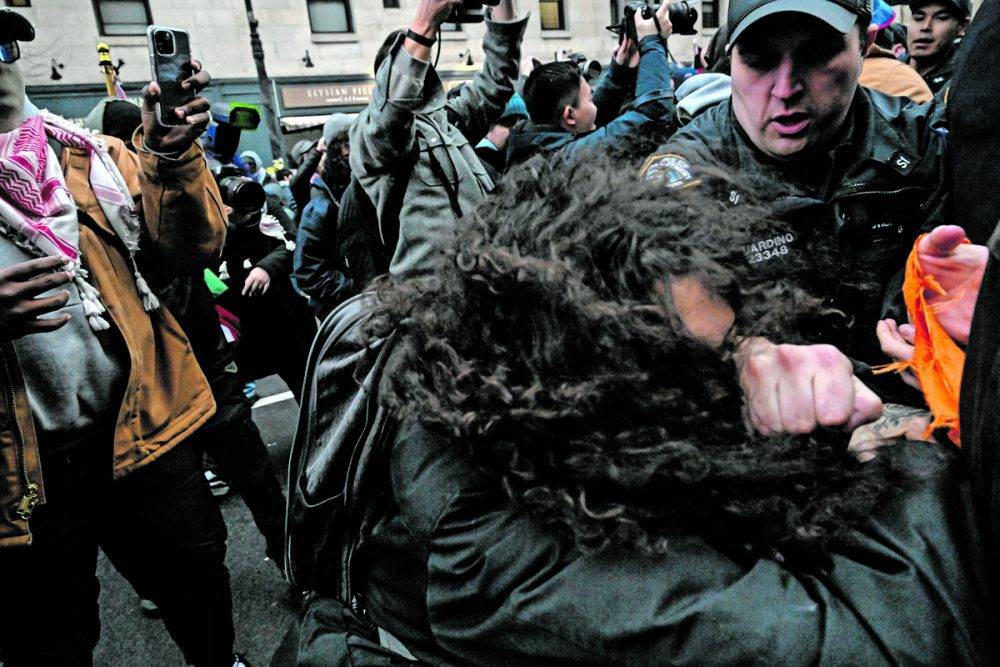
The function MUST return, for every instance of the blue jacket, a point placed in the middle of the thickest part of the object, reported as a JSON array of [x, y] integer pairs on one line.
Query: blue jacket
[[653, 104], [318, 267]]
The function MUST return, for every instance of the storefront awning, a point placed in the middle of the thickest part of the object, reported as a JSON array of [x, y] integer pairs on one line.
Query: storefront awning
[[299, 123]]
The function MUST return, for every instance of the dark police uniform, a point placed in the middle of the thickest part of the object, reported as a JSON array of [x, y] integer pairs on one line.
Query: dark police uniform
[[849, 215]]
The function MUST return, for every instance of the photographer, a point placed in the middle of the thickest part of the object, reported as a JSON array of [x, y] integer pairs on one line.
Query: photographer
[[276, 326], [568, 116], [412, 149]]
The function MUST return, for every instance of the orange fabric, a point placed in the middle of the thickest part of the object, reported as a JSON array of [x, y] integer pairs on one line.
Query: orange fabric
[[937, 359]]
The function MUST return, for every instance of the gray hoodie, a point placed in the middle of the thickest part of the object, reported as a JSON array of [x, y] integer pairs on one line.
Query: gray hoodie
[[701, 92]]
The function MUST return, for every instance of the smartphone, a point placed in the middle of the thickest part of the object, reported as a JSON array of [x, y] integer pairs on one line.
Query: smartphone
[[170, 62]]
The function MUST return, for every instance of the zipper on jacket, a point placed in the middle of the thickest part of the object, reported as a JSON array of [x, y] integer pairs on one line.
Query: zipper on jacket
[[29, 498]]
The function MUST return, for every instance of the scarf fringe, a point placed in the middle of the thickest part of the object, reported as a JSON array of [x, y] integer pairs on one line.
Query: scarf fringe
[[93, 308], [149, 300]]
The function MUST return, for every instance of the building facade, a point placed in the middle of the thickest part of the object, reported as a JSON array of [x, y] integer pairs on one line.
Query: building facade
[[319, 53]]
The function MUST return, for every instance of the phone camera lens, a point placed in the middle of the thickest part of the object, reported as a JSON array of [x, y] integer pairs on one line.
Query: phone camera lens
[[164, 41]]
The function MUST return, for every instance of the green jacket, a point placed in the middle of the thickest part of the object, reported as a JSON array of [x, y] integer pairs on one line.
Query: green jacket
[[413, 143], [458, 575], [849, 216]]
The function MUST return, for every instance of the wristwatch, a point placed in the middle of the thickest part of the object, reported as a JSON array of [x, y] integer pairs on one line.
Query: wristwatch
[[420, 39]]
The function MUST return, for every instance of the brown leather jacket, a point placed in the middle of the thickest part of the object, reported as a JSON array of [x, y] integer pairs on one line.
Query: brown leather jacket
[[167, 396]]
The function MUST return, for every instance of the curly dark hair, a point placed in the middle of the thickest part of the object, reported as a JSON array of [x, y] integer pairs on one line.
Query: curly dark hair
[[546, 346]]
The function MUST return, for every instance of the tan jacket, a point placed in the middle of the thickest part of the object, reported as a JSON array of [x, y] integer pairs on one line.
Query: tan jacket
[[167, 396], [881, 71]]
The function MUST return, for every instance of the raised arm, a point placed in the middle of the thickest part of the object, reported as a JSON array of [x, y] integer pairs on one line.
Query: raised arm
[[480, 103], [617, 83], [654, 98], [385, 130], [181, 204]]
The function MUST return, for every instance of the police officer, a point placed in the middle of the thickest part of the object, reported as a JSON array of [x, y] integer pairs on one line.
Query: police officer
[[855, 173], [933, 31]]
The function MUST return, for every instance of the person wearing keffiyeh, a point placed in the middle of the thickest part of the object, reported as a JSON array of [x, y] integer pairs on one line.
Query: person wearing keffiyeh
[[102, 385]]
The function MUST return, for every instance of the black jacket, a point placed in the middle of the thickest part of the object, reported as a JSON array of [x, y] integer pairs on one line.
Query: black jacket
[[277, 325], [851, 213], [460, 576], [300, 184], [939, 77]]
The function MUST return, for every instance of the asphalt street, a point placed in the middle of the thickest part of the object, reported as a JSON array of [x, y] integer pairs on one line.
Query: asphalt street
[[262, 608]]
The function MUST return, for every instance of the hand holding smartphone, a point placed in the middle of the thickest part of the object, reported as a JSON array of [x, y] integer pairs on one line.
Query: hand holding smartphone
[[171, 65]]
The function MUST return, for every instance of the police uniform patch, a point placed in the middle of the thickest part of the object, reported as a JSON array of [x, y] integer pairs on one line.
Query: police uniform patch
[[670, 169], [902, 162]]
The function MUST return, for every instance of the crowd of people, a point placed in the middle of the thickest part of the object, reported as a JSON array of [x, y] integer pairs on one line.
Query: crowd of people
[[590, 369]]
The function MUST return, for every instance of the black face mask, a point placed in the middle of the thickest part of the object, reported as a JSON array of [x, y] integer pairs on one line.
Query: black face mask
[[336, 173]]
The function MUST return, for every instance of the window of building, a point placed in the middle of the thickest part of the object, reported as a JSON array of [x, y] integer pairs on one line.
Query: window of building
[[553, 14], [330, 15], [709, 13], [390, 4], [616, 13], [17, 3], [123, 17]]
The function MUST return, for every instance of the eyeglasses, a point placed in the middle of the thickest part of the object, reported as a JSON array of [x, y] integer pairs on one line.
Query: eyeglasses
[[10, 53]]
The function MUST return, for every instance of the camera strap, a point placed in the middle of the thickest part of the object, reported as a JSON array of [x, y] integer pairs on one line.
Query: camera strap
[[659, 28]]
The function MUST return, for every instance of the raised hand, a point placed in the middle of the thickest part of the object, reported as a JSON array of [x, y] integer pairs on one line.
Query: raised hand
[[196, 116], [958, 267]]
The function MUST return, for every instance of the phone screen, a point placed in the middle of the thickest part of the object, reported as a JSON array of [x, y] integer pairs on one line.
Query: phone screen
[[170, 59]]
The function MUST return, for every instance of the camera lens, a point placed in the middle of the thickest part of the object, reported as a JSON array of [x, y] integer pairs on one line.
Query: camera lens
[[242, 195], [683, 17], [164, 41]]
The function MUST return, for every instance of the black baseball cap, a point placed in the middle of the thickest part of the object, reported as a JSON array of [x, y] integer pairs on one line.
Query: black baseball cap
[[14, 27], [960, 8], [841, 15]]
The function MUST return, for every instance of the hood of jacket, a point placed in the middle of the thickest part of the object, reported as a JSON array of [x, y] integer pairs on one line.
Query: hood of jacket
[[700, 93]]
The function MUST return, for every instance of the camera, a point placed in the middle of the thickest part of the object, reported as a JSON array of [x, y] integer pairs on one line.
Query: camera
[[590, 69], [245, 196], [683, 18], [470, 11], [164, 43], [223, 137]]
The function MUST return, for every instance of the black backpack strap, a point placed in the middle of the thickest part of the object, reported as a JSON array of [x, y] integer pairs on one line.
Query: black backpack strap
[[449, 187]]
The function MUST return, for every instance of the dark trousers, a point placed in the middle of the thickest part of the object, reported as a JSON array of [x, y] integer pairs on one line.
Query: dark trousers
[[160, 528], [233, 441]]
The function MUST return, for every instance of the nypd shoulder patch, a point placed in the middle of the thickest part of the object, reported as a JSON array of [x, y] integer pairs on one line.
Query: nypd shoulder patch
[[670, 169]]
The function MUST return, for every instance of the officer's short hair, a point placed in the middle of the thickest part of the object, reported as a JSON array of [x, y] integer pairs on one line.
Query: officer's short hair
[[550, 88]]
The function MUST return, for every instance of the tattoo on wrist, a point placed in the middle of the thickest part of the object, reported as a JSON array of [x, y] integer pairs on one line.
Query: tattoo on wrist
[[894, 415]]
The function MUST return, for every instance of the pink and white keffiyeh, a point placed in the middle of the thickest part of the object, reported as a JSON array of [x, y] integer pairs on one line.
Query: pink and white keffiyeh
[[37, 211]]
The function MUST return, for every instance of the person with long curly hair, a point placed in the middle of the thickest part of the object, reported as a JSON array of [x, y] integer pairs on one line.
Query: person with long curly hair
[[573, 479]]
